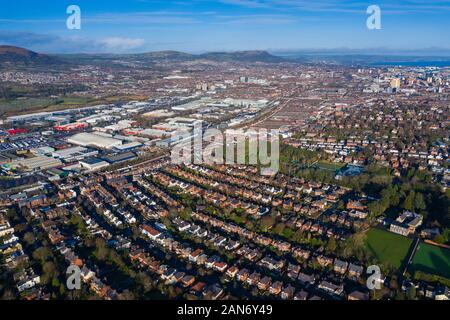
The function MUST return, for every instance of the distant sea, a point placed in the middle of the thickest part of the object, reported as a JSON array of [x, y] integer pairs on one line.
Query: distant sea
[[364, 59], [424, 63]]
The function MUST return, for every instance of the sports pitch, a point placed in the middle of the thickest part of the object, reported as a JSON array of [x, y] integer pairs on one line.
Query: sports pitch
[[431, 259], [389, 248]]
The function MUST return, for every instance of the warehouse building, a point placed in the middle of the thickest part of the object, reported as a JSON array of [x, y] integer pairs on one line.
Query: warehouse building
[[93, 164], [128, 146], [45, 150], [154, 133], [39, 162], [121, 157], [75, 153], [86, 139]]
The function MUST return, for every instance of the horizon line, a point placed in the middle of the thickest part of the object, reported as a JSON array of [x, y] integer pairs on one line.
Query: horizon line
[[428, 51]]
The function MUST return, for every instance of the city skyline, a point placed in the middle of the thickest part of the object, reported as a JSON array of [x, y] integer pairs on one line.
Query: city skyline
[[226, 25]]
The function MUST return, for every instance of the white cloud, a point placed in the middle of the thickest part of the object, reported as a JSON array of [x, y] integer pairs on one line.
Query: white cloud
[[66, 43], [121, 44]]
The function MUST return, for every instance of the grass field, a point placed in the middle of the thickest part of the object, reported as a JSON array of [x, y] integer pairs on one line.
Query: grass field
[[331, 166], [431, 259], [31, 105], [25, 105], [389, 248]]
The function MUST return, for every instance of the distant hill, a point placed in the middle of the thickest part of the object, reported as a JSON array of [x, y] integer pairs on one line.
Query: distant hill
[[166, 55], [20, 56], [14, 56], [242, 56], [238, 56]]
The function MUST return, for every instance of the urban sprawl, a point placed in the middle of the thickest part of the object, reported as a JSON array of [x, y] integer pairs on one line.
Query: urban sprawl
[[363, 181]]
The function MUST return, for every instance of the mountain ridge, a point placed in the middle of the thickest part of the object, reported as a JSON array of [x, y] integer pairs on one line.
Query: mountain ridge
[[24, 56]]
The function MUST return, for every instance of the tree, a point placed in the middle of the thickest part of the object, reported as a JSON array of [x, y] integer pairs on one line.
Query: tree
[[440, 239], [29, 238], [101, 250], [419, 202], [79, 224], [50, 272], [376, 208], [127, 295], [62, 290], [331, 245], [411, 293], [267, 222], [400, 295], [298, 236], [21, 227], [55, 282], [145, 281], [355, 246], [408, 203], [42, 254], [8, 294], [393, 283], [443, 237], [288, 233], [392, 195], [186, 214], [279, 228]]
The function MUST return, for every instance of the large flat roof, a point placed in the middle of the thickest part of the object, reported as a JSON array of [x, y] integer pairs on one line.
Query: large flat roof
[[91, 139]]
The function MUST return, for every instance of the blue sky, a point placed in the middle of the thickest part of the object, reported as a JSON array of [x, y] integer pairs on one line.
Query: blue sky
[[120, 26]]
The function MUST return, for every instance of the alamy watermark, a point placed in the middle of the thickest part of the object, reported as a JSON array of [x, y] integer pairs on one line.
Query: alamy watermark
[[232, 146], [374, 281], [374, 20], [73, 22], [73, 281]]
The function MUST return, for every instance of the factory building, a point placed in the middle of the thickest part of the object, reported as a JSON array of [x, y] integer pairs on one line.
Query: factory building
[[93, 164], [86, 139], [128, 146], [75, 153], [121, 157], [39, 162]]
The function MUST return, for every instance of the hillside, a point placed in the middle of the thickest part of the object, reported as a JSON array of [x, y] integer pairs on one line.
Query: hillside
[[16, 56], [19, 57], [242, 56], [177, 56]]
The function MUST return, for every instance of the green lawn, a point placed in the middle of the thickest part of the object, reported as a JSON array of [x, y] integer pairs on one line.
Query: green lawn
[[25, 105], [331, 166], [431, 259], [389, 248], [30, 105]]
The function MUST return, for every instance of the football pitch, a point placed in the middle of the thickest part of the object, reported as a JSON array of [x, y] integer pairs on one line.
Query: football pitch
[[431, 259], [389, 248]]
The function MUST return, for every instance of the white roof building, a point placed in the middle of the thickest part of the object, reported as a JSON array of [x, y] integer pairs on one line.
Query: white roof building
[[95, 140], [39, 162]]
